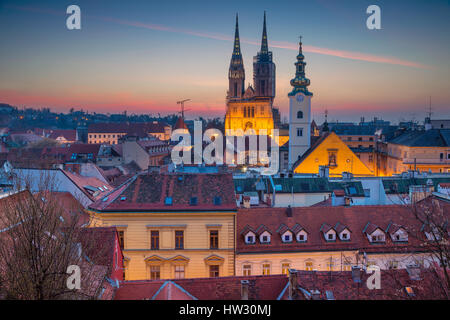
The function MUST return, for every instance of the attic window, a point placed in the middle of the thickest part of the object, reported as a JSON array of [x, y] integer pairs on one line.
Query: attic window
[[287, 237], [105, 187], [123, 198], [217, 201], [378, 238], [193, 201], [330, 236], [250, 238], [345, 235], [264, 238], [168, 201], [302, 236], [105, 199], [100, 188]]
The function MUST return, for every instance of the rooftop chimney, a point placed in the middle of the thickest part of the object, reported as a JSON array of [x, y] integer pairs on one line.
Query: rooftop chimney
[[324, 171], [413, 272], [356, 274], [289, 211], [244, 289], [292, 283]]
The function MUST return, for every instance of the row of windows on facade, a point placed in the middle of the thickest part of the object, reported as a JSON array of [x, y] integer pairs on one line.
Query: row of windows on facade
[[266, 267], [94, 136], [331, 235], [180, 272], [179, 239]]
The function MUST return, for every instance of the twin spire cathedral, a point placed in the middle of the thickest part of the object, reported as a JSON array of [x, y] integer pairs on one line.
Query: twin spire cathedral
[[251, 107]]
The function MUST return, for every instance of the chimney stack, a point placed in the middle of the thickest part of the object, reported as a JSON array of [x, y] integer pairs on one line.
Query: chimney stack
[[292, 283], [244, 289]]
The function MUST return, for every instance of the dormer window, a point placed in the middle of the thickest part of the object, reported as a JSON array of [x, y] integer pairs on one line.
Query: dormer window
[[287, 237], [344, 235], [330, 236], [264, 237], [400, 235], [250, 238], [302, 236], [377, 237]]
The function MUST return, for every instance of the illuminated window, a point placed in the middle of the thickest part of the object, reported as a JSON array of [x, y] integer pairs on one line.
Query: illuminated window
[[285, 268], [266, 269], [247, 270], [309, 265]]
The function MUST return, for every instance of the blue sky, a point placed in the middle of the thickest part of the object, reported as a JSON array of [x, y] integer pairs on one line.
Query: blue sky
[[143, 56]]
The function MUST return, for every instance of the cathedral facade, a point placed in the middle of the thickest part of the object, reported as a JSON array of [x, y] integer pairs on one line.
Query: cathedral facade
[[251, 107]]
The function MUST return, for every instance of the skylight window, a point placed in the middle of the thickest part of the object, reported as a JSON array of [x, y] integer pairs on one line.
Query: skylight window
[[123, 198], [217, 201], [193, 201], [168, 201]]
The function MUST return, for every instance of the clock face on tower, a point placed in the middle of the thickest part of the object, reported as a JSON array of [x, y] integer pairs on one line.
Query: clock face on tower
[[300, 98]]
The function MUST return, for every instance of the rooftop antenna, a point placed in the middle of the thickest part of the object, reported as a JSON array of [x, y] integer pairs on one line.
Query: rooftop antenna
[[182, 106], [429, 109]]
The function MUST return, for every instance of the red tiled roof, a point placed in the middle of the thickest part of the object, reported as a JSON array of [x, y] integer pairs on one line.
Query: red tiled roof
[[223, 288], [354, 218], [148, 192], [342, 286], [70, 135], [99, 244]]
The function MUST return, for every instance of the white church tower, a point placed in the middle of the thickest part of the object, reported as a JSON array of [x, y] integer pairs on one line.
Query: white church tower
[[299, 112]]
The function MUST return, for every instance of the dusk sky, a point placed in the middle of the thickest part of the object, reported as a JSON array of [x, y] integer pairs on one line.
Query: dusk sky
[[142, 56]]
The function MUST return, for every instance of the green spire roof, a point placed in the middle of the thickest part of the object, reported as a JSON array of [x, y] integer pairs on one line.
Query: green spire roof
[[300, 82]]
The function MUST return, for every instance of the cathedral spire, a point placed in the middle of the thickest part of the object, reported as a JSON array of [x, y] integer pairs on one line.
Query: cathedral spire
[[236, 73], [264, 45], [300, 82], [237, 42]]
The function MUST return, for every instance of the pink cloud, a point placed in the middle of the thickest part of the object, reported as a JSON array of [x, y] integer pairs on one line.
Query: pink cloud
[[352, 55]]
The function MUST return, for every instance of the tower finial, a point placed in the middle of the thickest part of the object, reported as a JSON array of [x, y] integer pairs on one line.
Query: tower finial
[[237, 43]]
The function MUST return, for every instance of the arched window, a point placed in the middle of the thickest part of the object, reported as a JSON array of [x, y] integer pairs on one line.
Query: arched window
[[300, 115]]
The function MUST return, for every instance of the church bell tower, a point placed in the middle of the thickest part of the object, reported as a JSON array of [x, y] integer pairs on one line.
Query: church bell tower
[[299, 111]]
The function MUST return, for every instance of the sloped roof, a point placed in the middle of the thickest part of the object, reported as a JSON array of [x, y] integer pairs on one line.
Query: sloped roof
[[401, 185], [426, 138], [354, 218], [223, 288], [148, 192]]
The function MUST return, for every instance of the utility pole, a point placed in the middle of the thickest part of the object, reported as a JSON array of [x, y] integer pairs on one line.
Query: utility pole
[[182, 106]]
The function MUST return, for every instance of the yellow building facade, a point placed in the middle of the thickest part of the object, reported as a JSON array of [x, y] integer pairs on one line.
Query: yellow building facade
[[173, 225], [331, 151], [196, 259]]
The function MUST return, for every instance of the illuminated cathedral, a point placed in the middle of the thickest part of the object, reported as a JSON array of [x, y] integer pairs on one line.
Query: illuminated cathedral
[[251, 107]]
